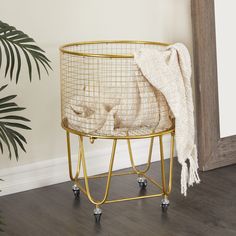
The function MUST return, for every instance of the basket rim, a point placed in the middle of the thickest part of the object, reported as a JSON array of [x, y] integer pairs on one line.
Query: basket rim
[[64, 50], [119, 137]]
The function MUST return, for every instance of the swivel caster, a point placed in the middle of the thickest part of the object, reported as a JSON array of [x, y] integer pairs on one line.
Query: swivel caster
[[142, 181], [165, 204], [97, 214], [76, 191]]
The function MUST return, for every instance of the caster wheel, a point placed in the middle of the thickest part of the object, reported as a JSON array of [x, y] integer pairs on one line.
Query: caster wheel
[[76, 191], [142, 181], [97, 214], [164, 208], [165, 204]]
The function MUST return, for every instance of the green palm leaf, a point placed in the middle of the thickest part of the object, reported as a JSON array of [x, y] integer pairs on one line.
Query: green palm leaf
[[10, 124], [16, 43]]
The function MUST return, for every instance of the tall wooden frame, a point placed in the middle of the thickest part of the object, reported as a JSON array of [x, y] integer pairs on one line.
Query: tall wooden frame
[[214, 151]]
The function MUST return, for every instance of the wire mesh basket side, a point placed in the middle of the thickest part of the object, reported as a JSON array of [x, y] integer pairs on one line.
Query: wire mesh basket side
[[109, 96]]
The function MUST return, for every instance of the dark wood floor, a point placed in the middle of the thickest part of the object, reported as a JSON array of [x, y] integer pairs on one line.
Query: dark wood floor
[[209, 209]]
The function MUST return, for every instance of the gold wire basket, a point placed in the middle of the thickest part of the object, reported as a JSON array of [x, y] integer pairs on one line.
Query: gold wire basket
[[105, 95]]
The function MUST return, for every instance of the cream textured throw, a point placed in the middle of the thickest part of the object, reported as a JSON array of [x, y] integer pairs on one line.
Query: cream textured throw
[[169, 70]]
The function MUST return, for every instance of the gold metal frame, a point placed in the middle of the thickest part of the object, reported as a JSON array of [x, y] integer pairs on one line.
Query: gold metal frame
[[164, 189], [64, 50]]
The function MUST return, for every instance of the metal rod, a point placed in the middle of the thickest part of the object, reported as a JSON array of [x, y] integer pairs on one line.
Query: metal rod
[[86, 176], [69, 155], [122, 174], [149, 155], [168, 131], [106, 174], [65, 48], [172, 148], [163, 176], [141, 172], [78, 165], [70, 161], [127, 173], [134, 198]]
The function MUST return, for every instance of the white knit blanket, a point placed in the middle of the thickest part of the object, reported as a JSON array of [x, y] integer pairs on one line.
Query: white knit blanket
[[169, 70]]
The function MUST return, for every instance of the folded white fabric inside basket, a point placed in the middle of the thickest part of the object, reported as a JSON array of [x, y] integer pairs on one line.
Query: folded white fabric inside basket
[[118, 105], [169, 71]]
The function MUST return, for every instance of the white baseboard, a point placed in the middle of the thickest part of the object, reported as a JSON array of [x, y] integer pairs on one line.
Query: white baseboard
[[44, 173]]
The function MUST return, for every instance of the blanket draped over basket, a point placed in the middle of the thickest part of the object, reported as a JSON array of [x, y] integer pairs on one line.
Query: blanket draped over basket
[[169, 71]]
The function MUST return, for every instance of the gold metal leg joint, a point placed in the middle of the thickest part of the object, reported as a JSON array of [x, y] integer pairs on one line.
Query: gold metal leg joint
[[164, 189], [140, 172], [72, 177], [86, 176]]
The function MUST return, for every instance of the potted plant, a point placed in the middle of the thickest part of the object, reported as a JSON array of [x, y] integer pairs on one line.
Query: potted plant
[[16, 49]]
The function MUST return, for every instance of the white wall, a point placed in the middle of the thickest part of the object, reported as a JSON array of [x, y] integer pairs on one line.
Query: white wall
[[52, 23], [226, 37]]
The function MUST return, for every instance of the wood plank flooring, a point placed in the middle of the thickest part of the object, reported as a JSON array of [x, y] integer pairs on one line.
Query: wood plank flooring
[[209, 209]]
